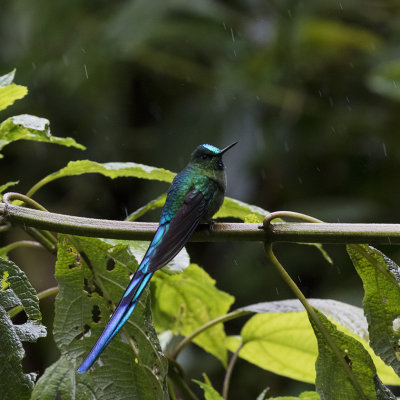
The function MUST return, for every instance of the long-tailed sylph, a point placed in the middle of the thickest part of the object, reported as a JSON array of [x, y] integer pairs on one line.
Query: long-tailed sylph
[[194, 196]]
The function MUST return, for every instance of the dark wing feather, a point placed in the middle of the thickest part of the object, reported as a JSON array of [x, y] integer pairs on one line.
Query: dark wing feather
[[181, 226]]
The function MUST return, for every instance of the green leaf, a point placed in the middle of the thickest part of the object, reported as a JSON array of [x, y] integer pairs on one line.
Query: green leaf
[[303, 396], [29, 127], [9, 92], [385, 80], [238, 209], [16, 290], [381, 279], [358, 380], [6, 186], [22, 288], [186, 301], [111, 170], [209, 392], [92, 274], [330, 37], [280, 339]]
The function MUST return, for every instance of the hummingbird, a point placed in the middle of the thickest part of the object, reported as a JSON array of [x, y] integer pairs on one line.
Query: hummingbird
[[194, 196]]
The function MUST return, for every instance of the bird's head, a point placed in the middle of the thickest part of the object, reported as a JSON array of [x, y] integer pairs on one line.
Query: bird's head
[[210, 157]]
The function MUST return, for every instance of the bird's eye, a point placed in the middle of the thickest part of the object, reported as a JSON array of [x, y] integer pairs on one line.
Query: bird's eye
[[204, 156]]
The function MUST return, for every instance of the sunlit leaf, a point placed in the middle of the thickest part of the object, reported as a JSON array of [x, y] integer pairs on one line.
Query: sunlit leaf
[[29, 127], [381, 279], [111, 170], [209, 392], [183, 302], [9, 92], [16, 290], [93, 274]]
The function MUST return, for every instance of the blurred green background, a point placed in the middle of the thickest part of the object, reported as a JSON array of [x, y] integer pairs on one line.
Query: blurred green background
[[310, 89]]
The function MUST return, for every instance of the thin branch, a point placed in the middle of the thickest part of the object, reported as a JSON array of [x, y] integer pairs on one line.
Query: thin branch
[[227, 379], [277, 232], [21, 243]]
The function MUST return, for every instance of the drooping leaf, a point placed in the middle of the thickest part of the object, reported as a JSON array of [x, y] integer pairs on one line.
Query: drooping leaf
[[91, 274], [29, 127], [9, 92], [381, 280], [357, 379], [111, 170], [280, 338], [183, 302], [16, 290]]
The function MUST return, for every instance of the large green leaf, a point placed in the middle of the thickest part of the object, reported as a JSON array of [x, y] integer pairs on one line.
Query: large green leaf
[[381, 280], [280, 338], [183, 302], [9, 92], [16, 290], [29, 127], [111, 170], [92, 274], [357, 380]]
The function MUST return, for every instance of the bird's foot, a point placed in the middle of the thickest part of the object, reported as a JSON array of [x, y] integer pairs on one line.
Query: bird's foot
[[211, 224]]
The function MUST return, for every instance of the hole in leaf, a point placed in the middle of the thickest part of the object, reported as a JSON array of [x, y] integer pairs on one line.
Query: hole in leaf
[[20, 318], [96, 314], [86, 332], [110, 264], [348, 361]]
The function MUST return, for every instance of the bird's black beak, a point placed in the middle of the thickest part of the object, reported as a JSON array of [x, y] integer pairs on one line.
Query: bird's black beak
[[227, 148]]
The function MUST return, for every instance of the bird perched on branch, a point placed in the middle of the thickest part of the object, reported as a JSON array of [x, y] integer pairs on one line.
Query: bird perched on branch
[[194, 196]]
